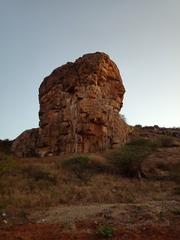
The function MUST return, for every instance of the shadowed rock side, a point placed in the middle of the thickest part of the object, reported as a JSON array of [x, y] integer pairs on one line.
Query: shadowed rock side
[[26, 144], [79, 109]]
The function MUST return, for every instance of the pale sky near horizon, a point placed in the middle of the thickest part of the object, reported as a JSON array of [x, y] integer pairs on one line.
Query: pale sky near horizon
[[141, 36]]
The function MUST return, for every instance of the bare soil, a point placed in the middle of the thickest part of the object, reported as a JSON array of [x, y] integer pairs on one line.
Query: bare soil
[[152, 220], [55, 232]]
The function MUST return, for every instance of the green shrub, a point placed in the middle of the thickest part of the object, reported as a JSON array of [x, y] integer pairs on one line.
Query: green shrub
[[7, 162], [142, 142], [165, 141], [138, 126], [5, 146], [106, 231], [3, 205], [177, 190], [82, 166], [176, 211], [7, 165], [38, 174], [175, 173], [128, 159], [4, 156]]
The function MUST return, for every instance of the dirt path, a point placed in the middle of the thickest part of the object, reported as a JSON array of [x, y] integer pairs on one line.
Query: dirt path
[[55, 232], [116, 214], [150, 221]]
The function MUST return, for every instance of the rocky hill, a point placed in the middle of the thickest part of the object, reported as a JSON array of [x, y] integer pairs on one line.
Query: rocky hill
[[79, 110]]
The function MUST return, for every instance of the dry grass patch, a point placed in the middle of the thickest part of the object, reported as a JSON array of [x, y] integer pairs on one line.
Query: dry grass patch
[[42, 186], [83, 179]]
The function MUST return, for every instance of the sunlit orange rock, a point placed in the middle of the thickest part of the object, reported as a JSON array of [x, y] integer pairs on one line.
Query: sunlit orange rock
[[79, 109]]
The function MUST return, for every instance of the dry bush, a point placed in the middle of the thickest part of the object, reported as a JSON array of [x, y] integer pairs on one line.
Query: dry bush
[[175, 173], [165, 141], [38, 174], [128, 159], [7, 165], [5, 146], [84, 167]]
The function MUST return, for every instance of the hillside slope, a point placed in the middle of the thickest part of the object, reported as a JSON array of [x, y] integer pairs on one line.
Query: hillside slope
[[133, 192]]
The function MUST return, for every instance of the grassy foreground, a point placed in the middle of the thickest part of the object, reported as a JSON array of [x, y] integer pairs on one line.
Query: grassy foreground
[[137, 172]]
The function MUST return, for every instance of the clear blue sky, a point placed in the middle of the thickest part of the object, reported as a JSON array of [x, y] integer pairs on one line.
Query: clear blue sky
[[141, 36]]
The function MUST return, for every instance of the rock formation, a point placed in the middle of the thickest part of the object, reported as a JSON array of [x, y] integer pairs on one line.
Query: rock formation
[[27, 143], [79, 110]]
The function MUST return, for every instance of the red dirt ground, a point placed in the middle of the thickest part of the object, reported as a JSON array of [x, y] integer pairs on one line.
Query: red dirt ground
[[55, 232]]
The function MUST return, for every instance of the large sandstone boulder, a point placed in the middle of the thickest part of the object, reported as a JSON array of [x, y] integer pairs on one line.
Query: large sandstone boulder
[[79, 108]]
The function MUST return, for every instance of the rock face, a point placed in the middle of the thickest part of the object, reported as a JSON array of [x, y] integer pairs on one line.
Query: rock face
[[79, 110], [26, 143]]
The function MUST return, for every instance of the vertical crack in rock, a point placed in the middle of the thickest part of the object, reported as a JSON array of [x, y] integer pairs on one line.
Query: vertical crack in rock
[[79, 110]]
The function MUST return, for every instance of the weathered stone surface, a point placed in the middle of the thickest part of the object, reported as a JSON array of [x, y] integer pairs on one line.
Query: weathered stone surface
[[79, 109], [26, 143]]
